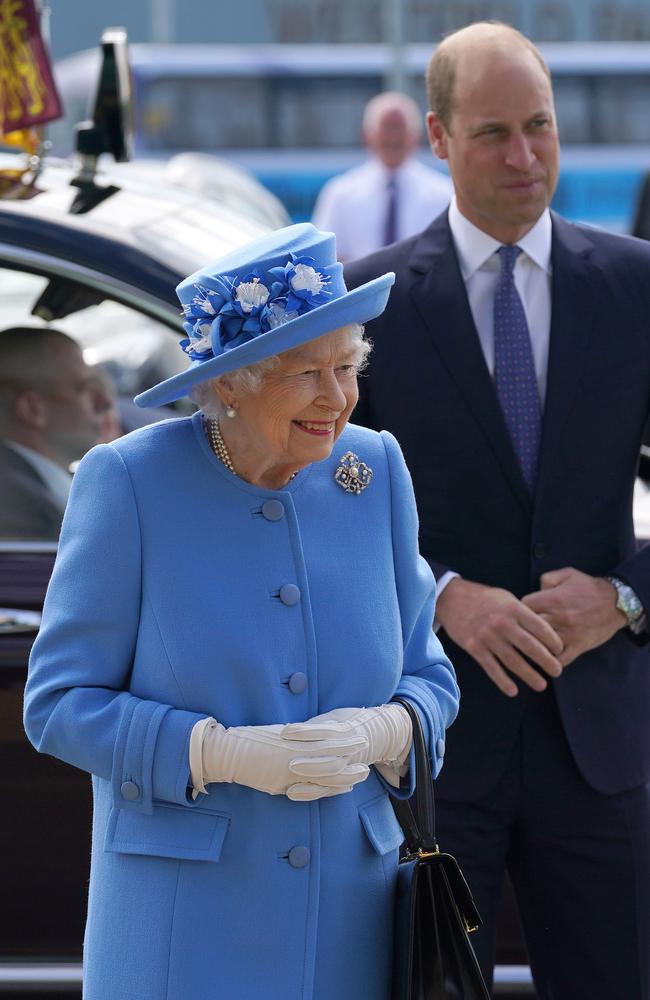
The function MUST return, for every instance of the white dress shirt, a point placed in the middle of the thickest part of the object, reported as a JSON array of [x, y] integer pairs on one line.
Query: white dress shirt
[[353, 205], [480, 267], [57, 480]]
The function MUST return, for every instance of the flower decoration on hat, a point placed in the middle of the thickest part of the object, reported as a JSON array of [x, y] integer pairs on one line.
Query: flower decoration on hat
[[235, 310]]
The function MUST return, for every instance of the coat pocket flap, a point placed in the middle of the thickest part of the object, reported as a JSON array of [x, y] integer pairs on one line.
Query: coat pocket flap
[[379, 822], [169, 832]]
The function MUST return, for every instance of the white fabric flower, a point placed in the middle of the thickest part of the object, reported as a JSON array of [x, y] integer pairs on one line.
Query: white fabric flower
[[202, 300], [278, 315], [202, 343], [306, 277], [251, 294]]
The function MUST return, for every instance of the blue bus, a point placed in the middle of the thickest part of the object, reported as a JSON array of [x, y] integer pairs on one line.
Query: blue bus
[[291, 113]]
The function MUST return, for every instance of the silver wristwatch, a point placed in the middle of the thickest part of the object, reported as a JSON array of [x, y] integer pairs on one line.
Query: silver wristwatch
[[628, 603]]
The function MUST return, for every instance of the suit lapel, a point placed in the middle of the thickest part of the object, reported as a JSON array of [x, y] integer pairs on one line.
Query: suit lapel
[[450, 325], [13, 460], [574, 286]]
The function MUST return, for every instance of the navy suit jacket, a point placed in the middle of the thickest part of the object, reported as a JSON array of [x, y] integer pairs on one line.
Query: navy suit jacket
[[428, 383]]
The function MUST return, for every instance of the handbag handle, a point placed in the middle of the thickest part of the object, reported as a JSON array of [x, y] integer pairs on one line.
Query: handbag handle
[[419, 825]]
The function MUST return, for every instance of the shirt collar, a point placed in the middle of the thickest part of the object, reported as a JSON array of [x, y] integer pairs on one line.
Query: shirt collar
[[381, 172], [474, 247]]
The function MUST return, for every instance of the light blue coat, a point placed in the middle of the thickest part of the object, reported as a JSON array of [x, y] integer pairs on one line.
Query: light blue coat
[[169, 602]]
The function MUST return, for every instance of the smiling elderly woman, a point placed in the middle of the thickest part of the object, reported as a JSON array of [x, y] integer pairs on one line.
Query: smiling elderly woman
[[293, 407], [237, 599]]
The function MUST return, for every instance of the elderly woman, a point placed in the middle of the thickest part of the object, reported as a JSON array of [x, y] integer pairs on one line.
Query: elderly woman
[[237, 598]]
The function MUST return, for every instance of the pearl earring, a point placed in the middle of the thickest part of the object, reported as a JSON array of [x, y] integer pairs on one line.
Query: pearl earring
[[231, 412]]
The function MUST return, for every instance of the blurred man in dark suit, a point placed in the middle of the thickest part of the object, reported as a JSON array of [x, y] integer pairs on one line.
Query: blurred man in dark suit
[[51, 407], [519, 395]]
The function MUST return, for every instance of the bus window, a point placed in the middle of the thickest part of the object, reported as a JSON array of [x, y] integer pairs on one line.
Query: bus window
[[292, 113], [572, 106], [321, 112], [204, 113], [621, 106]]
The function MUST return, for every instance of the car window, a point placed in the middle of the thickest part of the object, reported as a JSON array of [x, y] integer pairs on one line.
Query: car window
[[71, 361]]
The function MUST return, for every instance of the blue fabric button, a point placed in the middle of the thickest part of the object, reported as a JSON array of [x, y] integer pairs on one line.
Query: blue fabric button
[[298, 683], [273, 510], [440, 748], [299, 857], [289, 594], [130, 791]]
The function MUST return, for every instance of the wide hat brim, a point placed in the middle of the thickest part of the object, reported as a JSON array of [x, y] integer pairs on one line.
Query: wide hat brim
[[357, 306]]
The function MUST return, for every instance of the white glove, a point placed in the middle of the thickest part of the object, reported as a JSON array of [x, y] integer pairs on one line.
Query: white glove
[[386, 728], [262, 758]]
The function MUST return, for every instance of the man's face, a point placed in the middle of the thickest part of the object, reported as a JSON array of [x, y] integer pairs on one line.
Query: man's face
[[391, 139], [73, 403], [502, 146]]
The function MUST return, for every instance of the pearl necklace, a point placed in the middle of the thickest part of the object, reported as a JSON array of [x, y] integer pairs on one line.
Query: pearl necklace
[[218, 444], [219, 448]]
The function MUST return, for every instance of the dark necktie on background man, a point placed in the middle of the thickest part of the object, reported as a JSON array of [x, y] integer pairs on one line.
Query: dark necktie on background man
[[514, 368], [390, 220]]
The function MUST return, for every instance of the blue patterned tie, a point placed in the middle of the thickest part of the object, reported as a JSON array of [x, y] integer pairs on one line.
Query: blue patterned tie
[[514, 368]]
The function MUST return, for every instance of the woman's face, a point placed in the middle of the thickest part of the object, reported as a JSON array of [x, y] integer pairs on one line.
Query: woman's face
[[302, 406]]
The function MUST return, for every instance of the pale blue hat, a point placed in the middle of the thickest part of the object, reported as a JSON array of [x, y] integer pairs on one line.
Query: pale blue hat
[[275, 293]]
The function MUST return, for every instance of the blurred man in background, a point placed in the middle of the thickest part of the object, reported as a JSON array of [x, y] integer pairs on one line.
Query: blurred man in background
[[390, 196], [51, 410]]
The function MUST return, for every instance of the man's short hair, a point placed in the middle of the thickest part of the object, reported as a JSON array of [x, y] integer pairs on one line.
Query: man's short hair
[[23, 348], [24, 360], [441, 71]]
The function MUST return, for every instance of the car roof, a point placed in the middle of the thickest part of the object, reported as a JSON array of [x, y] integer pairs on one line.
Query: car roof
[[158, 231]]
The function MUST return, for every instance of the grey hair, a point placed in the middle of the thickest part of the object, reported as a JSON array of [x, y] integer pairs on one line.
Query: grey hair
[[242, 380], [250, 378], [392, 100]]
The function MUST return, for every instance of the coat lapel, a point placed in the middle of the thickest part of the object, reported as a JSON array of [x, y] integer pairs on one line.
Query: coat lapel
[[450, 325], [574, 285]]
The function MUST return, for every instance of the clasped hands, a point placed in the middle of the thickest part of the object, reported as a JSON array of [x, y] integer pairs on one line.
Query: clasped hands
[[324, 756], [535, 637]]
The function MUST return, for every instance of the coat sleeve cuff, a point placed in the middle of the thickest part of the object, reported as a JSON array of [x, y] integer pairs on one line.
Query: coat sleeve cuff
[[151, 759]]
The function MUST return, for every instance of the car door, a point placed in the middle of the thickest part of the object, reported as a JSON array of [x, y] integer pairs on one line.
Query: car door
[[129, 340]]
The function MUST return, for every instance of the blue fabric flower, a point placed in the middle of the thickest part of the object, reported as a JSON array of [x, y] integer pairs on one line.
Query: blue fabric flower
[[306, 287], [237, 310]]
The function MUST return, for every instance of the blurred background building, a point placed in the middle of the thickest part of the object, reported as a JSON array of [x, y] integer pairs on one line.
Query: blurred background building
[[77, 24], [279, 86]]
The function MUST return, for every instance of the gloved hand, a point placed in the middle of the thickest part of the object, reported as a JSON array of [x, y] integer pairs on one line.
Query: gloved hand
[[262, 758], [386, 728]]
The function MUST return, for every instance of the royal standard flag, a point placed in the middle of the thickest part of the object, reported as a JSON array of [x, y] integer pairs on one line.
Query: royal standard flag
[[28, 94]]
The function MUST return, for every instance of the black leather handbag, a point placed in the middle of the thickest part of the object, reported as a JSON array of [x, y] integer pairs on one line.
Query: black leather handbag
[[433, 958]]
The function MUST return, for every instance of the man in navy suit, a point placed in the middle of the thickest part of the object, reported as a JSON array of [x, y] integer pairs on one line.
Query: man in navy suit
[[513, 365]]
